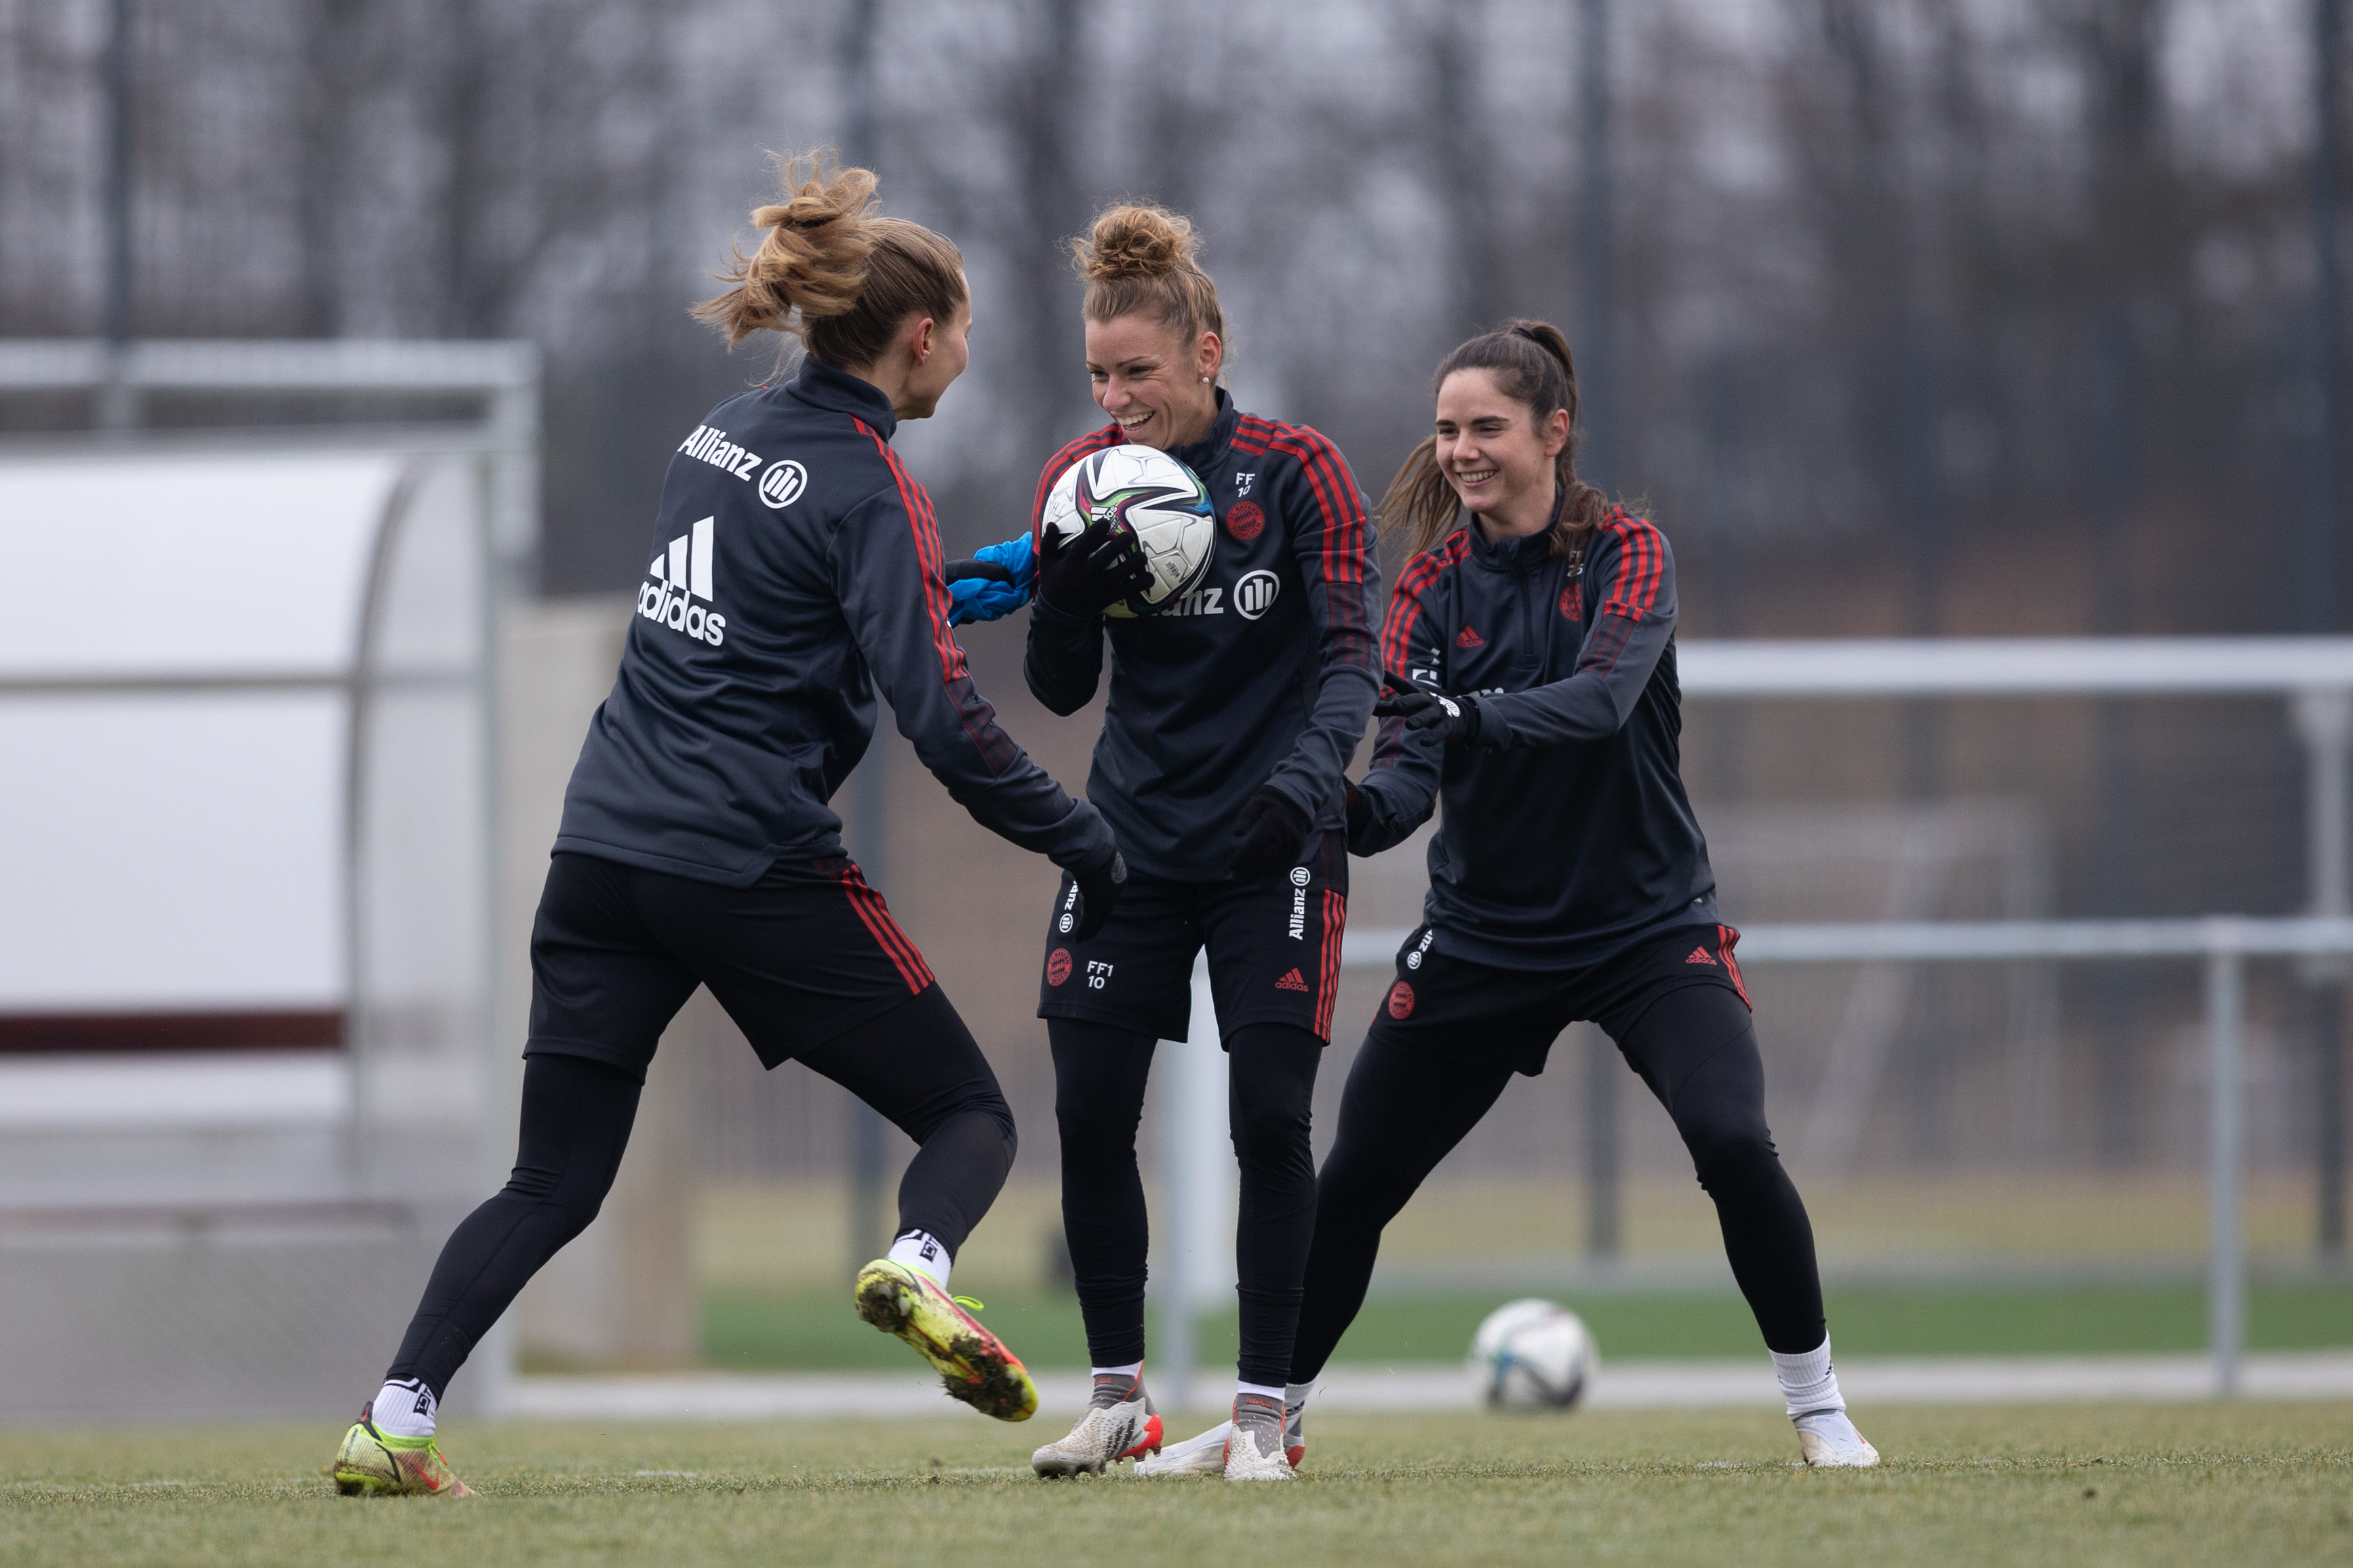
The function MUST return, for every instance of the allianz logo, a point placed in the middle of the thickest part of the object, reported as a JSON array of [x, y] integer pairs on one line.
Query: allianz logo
[[682, 575], [780, 485]]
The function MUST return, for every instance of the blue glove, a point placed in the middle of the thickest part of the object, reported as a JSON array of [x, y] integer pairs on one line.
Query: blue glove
[[988, 597]]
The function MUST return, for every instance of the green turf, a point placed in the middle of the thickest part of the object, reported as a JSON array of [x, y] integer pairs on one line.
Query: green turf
[[744, 1330], [2070, 1486]]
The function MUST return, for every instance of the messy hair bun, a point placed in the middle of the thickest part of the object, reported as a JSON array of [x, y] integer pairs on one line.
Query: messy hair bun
[[1133, 242], [832, 270], [1138, 259]]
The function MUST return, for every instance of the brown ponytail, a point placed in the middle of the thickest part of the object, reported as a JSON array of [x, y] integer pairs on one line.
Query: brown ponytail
[[1532, 366], [833, 271], [1138, 259]]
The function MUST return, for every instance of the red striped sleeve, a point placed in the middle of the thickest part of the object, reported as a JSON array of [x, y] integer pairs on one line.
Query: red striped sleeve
[[995, 746], [1343, 554], [1641, 566], [1405, 602]]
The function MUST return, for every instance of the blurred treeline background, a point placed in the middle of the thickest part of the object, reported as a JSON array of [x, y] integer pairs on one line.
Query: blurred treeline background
[[2003, 307]]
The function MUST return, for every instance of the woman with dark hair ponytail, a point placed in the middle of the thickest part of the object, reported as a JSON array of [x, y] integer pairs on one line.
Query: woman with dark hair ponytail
[[1530, 667]]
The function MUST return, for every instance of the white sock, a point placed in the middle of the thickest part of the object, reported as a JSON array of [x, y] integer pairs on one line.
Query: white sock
[[1263, 1390], [921, 1249], [1809, 1383], [1294, 1395], [1134, 1372], [405, 1408]]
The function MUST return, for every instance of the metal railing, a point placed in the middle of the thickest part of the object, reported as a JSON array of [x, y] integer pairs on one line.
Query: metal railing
[[2223, 943]]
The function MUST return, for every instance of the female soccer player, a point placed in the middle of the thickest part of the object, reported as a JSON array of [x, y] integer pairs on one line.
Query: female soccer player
[[1531, 668], [1232, 713], [796, 567]]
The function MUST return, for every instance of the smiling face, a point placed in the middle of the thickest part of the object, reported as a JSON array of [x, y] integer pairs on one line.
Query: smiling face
[[1160, 388], [1497, 455], [938, 352]]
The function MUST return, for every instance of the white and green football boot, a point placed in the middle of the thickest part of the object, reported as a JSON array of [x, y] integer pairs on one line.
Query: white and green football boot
[[375, 1464], [973, 1363]]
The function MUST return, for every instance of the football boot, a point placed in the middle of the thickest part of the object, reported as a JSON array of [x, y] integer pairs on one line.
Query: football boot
[[1201, 1456], [973, 1363], [1830, 1442], [375, 1464], [1254, 1448], [1120, 1423]]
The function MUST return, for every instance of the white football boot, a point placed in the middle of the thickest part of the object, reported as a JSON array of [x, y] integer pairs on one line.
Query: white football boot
[[1120, 1423], [1254, 1448], [1830, 1442], [1206, 1455], [1201, 1456]]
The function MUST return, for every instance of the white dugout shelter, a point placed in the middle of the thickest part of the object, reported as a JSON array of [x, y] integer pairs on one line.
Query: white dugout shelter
[[247, 1073]]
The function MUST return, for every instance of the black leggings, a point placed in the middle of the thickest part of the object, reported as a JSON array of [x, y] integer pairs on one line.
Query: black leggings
[[1099, 1074], [917, 1063], [1403, 1110]]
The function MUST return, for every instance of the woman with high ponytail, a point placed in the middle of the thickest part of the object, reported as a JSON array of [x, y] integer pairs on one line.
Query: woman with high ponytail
[[1530, 667], [794, 572], [1234, 710]]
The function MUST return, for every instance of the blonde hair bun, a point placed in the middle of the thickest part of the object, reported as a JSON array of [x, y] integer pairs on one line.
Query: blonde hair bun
[[1138, 258], [1134, 241]]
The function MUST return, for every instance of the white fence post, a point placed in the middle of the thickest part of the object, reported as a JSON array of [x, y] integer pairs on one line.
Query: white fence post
[[2226, 1282]]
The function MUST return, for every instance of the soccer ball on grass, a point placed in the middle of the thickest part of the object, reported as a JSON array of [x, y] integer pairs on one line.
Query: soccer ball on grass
[[1532, 1355], [1152, 495]]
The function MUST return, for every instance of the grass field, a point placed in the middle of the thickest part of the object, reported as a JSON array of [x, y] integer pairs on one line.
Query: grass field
[[2069, 1486], [751, 1329]]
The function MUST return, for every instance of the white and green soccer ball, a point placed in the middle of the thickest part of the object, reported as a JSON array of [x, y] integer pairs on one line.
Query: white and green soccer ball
[[1532, 1355], [1154, 497]]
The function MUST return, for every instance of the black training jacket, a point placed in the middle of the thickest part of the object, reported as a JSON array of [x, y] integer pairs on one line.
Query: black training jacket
[[1267, 672], [1566, 834], [795, 567]]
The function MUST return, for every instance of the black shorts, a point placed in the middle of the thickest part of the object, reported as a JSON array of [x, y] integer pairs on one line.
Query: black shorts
[[1275, 950], [1455, 1008], [800, 955]]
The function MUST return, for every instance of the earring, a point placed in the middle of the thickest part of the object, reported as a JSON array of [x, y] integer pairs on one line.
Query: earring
[[1204, 380]]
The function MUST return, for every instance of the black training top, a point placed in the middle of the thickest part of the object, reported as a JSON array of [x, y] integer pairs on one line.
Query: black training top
[[1566, 834], [1265, 673], [796, 566]]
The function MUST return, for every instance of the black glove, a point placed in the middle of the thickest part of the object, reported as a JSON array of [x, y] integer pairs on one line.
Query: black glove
[[1083, 577], [1089, 900], [1269, 833], [956, 571], [1454, 717]]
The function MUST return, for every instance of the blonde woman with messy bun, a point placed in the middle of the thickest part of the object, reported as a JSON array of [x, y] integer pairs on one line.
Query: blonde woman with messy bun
[[795, 570], [1233, 711]]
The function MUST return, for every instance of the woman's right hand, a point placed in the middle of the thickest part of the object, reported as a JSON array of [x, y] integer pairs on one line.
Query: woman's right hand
[[1085, 577]]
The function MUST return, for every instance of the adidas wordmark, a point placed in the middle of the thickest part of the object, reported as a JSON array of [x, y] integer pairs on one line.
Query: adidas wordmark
[[680, 577]]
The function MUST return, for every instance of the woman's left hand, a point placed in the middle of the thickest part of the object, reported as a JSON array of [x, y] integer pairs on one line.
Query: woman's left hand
[[1454, 717], [1269, 833]]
